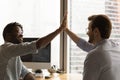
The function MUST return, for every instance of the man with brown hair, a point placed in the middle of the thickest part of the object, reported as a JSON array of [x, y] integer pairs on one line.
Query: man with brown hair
[[103, 59]]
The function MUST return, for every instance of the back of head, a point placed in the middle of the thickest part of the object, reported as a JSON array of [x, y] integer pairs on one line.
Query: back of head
[[9, 28], [103, 23]]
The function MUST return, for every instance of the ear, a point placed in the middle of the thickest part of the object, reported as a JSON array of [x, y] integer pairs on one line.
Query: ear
[[8, 36], [96, 32]]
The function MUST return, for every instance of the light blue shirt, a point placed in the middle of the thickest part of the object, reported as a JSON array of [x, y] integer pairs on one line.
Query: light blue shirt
[[102, 62], [11, 66], [84, 45]]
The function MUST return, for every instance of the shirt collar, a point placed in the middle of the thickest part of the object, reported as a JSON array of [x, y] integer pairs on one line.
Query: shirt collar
[[101, 42]]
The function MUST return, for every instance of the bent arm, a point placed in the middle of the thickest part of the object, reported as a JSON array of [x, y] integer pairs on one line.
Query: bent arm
[[29, 76], [81, 43], [25, 74]]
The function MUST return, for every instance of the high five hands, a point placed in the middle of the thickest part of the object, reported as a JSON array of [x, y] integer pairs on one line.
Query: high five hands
[[63, 25]]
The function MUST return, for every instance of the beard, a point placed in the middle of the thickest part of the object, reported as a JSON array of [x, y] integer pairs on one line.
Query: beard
[[17, 40], [91, 39]]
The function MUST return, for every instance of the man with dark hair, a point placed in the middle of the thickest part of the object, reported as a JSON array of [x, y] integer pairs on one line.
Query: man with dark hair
[[103, 59], [11, 66]]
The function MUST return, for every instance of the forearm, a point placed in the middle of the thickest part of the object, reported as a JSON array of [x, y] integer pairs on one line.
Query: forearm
[[47, 39], [29, 76], [72, 35]]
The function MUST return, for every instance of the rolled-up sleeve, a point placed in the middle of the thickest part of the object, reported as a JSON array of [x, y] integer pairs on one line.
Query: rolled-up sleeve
[[24, 71], [84, 45], [14, 50]]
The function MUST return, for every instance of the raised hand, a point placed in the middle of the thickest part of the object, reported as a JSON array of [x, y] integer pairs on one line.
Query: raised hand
[[64, 22]]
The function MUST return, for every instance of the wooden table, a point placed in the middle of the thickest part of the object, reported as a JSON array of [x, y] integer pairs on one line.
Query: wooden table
[[65, 76]]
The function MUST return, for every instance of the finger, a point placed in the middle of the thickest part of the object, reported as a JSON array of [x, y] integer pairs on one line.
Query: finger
[[65, 14], [64, 17]]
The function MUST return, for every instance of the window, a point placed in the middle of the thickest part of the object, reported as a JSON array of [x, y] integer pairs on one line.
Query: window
[[38, 17], [79, 10]]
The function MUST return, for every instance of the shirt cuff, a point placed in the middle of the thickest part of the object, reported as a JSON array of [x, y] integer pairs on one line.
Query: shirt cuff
[[24, 71]]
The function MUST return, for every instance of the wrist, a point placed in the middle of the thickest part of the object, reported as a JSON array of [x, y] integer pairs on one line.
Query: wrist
[[59, 30], [67, 30]]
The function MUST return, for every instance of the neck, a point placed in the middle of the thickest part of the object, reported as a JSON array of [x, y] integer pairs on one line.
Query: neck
[[97, 40]]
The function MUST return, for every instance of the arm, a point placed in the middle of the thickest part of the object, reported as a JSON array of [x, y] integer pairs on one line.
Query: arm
[[25, 74], [72, 35], [27, 47], [42, 42], [81, 43], [29, 76]]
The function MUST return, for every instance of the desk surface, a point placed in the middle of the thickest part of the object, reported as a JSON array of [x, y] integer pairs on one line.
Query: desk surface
[[62, 77]]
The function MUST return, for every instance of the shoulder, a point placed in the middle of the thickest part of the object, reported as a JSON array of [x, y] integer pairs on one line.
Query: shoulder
[[98, 54], [6, 44]]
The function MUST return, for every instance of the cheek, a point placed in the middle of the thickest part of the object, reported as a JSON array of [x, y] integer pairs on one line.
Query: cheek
[[14, 35], [90, 34]]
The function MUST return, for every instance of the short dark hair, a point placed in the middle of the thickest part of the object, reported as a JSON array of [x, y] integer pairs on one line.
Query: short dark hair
[[9, 28], [103, 23]]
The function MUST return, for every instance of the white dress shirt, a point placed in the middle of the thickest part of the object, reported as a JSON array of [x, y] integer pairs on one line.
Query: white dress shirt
[[11, 67], [102, 61]]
